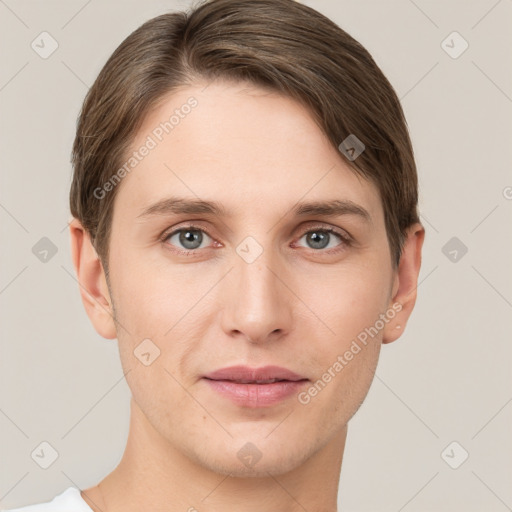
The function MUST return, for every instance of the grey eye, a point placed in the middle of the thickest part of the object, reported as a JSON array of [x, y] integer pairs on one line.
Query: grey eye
[[320, 239], [189, 239]]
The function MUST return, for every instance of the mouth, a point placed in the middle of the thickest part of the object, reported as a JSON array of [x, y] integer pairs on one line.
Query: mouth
[[262, 375], [255, 387], [268, 381]]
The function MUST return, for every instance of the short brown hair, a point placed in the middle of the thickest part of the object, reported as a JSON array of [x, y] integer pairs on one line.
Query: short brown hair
[[277, 44]]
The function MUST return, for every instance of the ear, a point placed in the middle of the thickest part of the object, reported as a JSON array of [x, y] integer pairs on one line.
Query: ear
[[405, 283], [92, 281]]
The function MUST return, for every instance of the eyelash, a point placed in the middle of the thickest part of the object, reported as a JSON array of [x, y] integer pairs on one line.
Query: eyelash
[[345, 239]]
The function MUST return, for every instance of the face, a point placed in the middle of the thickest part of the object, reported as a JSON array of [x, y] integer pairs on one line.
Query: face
[[266, 278]]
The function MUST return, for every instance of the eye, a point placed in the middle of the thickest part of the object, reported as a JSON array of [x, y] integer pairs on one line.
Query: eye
[[325, 238], [188, 238]]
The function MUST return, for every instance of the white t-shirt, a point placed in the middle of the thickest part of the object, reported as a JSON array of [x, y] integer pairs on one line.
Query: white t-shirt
[[67, 501]]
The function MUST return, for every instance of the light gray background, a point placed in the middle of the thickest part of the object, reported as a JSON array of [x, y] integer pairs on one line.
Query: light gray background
[[447, 379]]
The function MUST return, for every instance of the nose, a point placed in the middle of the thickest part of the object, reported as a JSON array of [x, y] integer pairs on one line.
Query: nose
[[257, 300]]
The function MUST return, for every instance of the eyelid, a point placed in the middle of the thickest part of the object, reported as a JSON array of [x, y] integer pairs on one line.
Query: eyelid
[[189, 225], [323, 226]]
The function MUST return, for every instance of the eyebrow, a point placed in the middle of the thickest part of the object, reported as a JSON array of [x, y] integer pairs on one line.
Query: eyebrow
[[334, 208], [177, 205]]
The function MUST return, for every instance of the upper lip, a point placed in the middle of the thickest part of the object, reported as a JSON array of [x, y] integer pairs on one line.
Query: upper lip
[[247, 374]]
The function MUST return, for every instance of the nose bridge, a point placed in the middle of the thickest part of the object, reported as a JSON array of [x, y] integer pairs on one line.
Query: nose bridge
[[258, 303]]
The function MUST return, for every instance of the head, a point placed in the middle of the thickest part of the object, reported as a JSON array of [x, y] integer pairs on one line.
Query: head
[[245, 193]]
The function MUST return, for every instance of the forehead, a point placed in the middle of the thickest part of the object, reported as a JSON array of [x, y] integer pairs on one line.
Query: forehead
[[239, 145]]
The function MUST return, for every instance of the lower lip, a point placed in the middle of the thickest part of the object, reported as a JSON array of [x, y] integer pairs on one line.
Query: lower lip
[[256, 395]]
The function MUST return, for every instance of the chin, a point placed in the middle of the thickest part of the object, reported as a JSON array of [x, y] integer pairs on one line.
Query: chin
[[243, 458], [262, 469]]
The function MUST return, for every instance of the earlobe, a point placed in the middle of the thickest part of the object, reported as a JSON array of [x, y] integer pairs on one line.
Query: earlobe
[[405, 283], [91, 278]]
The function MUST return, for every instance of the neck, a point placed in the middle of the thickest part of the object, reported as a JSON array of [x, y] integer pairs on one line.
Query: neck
[[153, 472]]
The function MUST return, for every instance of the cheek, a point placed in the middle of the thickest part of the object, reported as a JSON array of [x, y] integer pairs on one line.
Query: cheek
[[152, 297], [158, 393], [341, 384], [346, 301], [344, 356]]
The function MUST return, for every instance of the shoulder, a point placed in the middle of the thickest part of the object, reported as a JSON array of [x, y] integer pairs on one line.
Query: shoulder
[[69, 500]]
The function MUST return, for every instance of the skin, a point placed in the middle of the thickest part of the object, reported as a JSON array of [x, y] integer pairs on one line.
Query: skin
[[296, 306]]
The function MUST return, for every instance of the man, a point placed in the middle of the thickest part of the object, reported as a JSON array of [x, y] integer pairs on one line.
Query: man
[[245, 224]]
